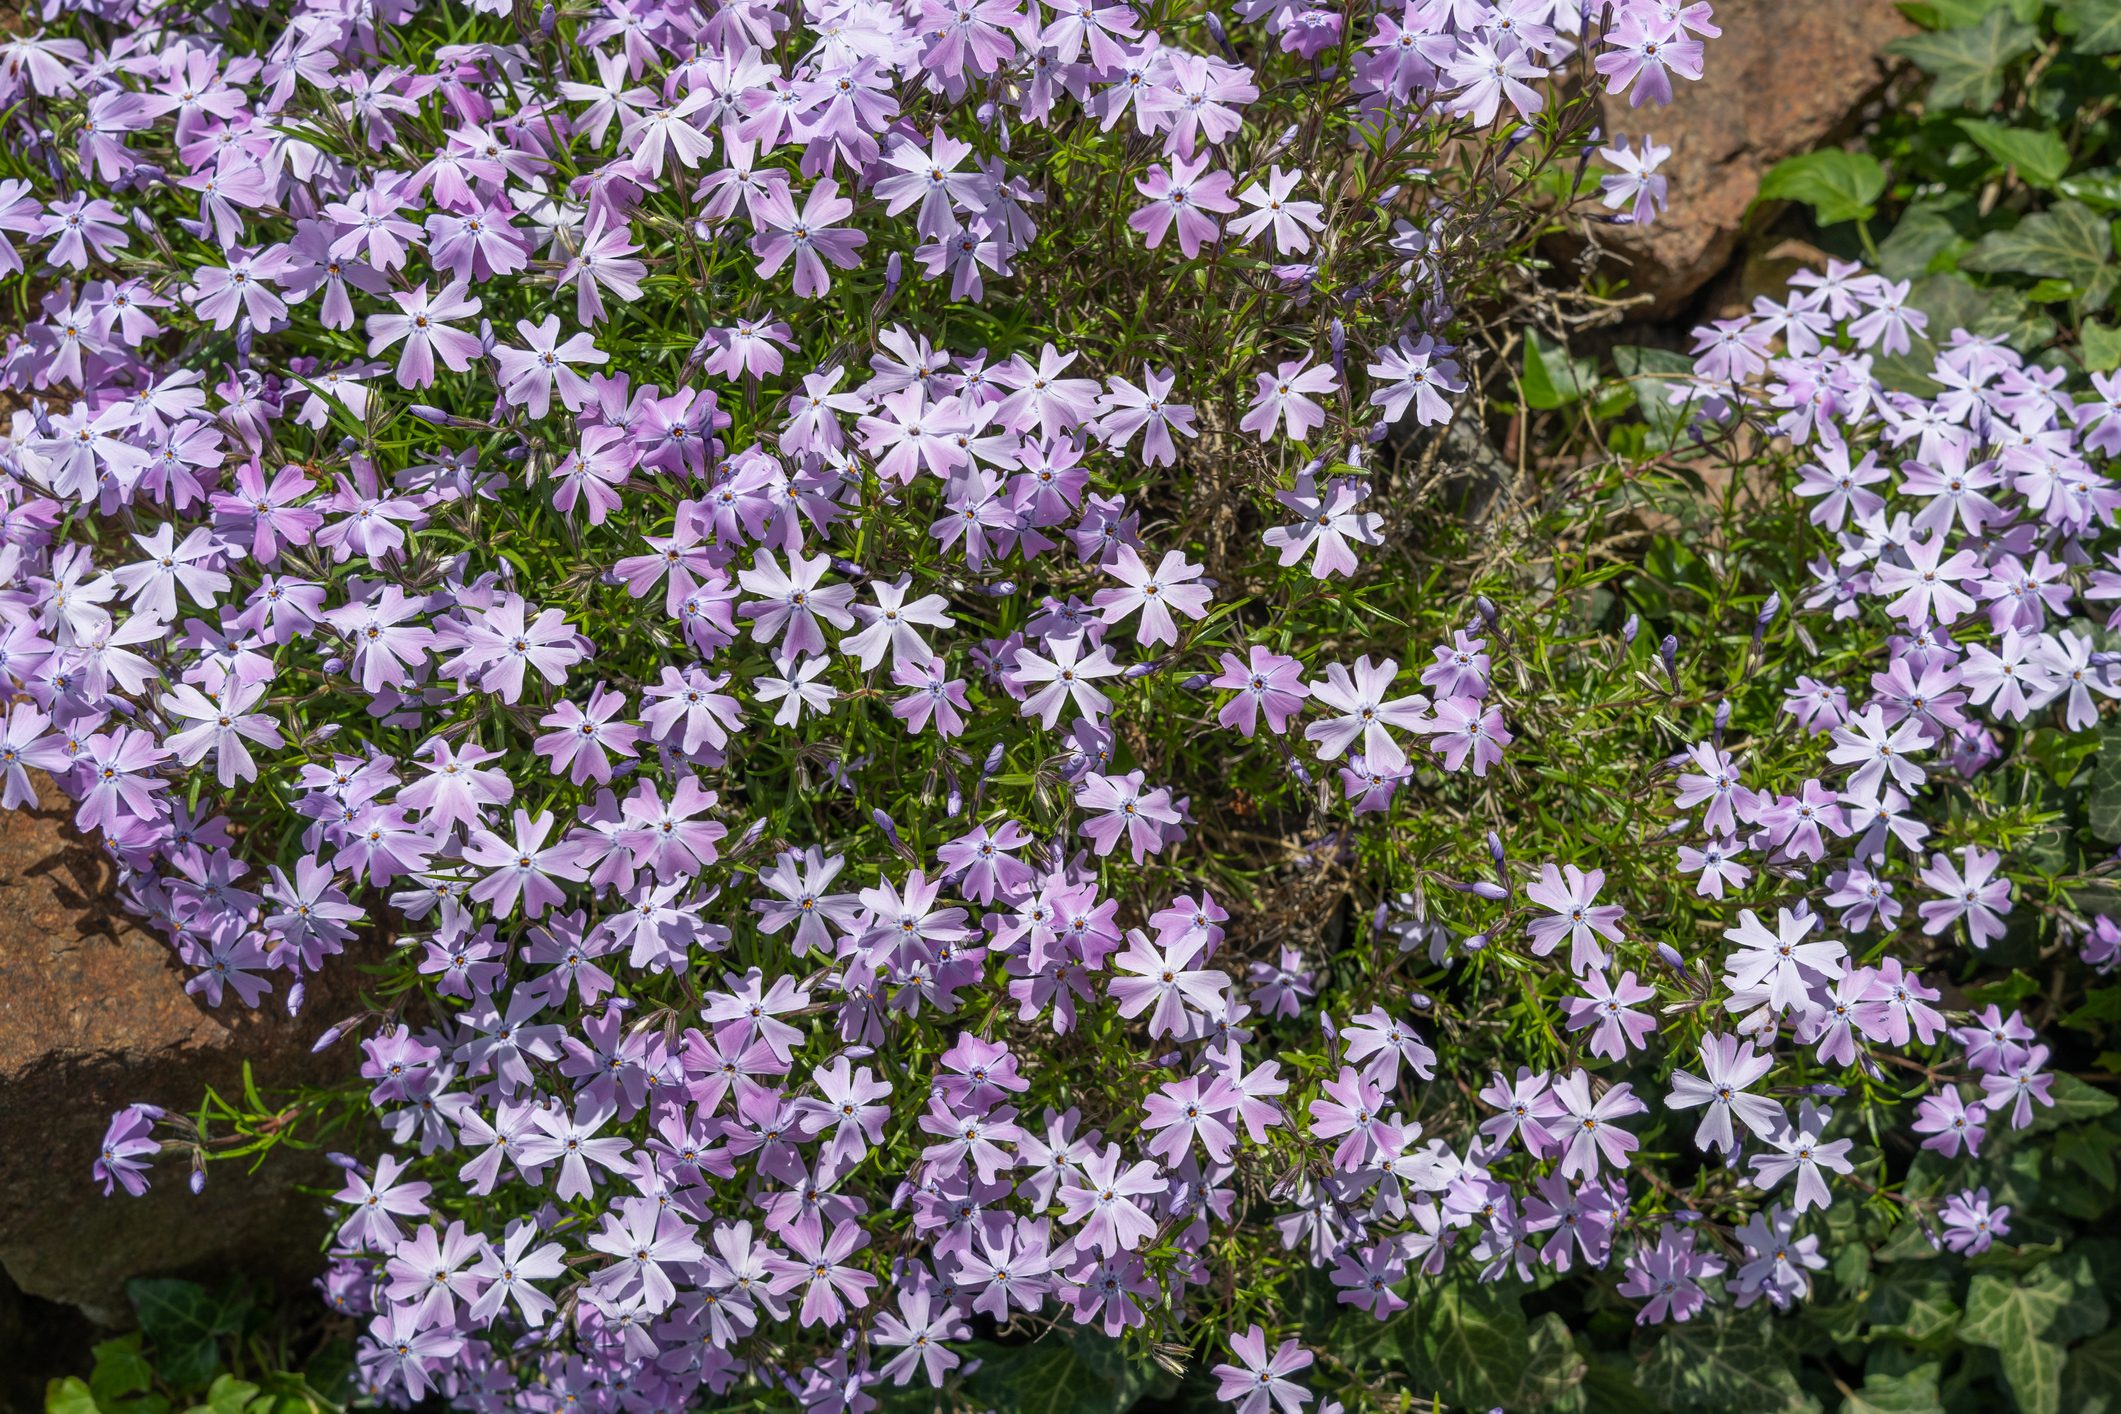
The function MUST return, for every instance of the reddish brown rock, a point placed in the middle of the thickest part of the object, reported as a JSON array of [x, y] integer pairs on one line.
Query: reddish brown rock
[[93, 1015], [1786, 77]]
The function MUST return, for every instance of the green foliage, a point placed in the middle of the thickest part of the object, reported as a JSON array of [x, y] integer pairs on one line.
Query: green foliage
[[1837, 185], [2003, 179], [202, 1351]]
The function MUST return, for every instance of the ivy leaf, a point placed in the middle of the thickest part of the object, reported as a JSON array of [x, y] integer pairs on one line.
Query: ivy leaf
[[1837, 185], [228, 1395], [2102, 347], [1478, 1347], [2099, 188], [1913, 1301], [69, 1396], [1653, 374], [120, 1370], [1553, 379], [2033, 1370], [2103, 809], [1914, 1392], [2038, 155], [2101, 1004], [1968, 64], [1955, 14], [2002, 1312], [1048, 1376], [2074, 1101], [183, 1324], [2090, 1149], [1733, 1364], [1557, 1368], [2091, 1381], [2095, 23], [2069, 241]]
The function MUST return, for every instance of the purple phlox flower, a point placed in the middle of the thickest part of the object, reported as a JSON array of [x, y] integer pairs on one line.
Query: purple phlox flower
[[1526, 1105], [1591, 1132], [1118, 806], [579, 744], [1974, 894], [893, 625], [1291, 223], [1608, 1010], [1352, 1110], [1802, 1149], [423, 326], [1157, 595], [1970, 1224], [128, 1149], [1288, 393], [423, 1273], [525, 868], [1380, 1043], [1729, 1066], [1260, 1381], [641, 1238], [1162, 976], [1328, 524], [2018, 1085], [1637, 185], [1181, 1111], [1271, 683], [508, 1272], [1416, 373], [1063, 679], [529, 375], [1668, 1277], [1101, 1199], [1362, 713], [918, 1330], [1569, 893], [791, 603], [1184, 195]]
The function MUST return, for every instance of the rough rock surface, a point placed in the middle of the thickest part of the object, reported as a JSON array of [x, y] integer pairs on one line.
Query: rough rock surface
[[93, 1015], [1786, 76]]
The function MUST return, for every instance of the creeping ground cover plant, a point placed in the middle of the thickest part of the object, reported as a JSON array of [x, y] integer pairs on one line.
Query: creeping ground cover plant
[[886, 641]]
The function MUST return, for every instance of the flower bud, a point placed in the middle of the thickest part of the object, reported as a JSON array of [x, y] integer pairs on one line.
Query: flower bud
[[1475, 943], [434, 416], [1493, 893], [548, 20], [1669, 956], [1495, 850], [1489, 615], [295, 996], [1668, 654], [1198, 682], [1000, 589], [893, 271], [1629, 629], [1421, 1001]]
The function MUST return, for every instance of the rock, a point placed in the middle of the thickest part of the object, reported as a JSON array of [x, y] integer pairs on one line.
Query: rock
[[93, 1016], [1786, 76]]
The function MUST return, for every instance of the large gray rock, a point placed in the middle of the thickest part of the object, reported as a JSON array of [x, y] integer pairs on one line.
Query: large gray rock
[[1786, 77], [93, 1015]]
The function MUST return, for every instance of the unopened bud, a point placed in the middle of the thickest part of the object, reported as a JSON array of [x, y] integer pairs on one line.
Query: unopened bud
[[1629, 629]]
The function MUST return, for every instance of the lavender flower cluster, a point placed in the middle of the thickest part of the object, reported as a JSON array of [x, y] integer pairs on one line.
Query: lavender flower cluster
[[697, 1068]]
